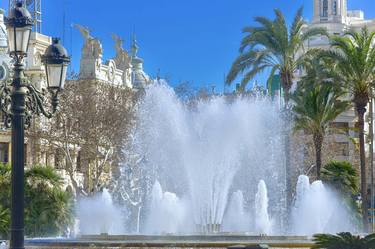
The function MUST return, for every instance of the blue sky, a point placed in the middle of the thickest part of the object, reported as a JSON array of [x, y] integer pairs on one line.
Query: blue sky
[[189, 40]]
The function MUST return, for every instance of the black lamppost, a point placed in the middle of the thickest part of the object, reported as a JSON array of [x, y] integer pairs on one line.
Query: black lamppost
[[20, 100]]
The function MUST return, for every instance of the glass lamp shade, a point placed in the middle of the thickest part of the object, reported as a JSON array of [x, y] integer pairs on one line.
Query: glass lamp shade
[[18, 39], [19, 25], [56, 61], [56, 75]]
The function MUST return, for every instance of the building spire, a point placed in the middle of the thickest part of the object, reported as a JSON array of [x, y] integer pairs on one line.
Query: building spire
[[135, 46]]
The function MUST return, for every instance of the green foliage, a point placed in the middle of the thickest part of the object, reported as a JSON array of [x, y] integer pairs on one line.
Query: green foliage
[[354, 60], [316, 105], [342, 176], [343, 241], [48, 209], [272, 45], [317, 102], [4, 220]]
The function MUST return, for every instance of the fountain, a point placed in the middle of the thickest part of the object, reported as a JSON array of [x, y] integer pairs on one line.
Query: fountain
[[209, 174], [209, 157], [262, 219], [319, 209], [202, 152], [236, 219], [98, 214], [167, 212]]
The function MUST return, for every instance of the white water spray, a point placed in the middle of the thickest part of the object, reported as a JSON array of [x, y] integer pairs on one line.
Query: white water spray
[[319, 209], [98, 215], [262, 219]]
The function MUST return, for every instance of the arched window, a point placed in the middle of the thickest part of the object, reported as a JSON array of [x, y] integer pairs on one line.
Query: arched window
[[335, 7], [325, 8]]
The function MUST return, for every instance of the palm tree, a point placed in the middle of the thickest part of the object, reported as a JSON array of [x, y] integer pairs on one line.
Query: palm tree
[[354, 54], [317, 103], [342, 176], [48, 209], [273, 45], [343, 241]]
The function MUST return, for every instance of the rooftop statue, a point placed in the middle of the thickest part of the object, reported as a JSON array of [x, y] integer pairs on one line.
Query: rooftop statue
[[122, 59], [92, 47]]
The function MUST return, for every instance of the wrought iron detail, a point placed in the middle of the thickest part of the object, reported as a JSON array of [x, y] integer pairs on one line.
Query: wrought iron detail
[[36, 102]]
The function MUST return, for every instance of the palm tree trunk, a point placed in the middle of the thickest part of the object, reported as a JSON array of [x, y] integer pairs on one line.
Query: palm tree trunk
[[361, 113], [318, 143], [286, 82]]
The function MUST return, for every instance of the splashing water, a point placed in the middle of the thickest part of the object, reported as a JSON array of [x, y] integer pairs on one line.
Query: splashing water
[[262, 219], [3, 245], [319, 209], [98, 215], [236, 219], [201, 152], [167, 212]]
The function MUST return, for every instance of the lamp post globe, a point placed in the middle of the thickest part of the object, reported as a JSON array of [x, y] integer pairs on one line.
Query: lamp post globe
[[56, 61], [19, 26]]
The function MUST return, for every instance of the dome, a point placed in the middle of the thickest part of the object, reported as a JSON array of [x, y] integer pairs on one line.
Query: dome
[[3, 33], [140, 79]]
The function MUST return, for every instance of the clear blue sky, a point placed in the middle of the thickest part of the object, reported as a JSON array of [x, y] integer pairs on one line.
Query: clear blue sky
[[189, 40]]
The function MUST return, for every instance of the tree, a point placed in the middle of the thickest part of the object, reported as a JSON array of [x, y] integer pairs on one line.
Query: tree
[[317, 102], [343, 241], [354, 56], [342, 176], [273, 45], [89, 131], [48, 209]]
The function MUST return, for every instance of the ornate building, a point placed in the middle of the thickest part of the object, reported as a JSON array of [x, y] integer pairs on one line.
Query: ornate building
[[124, 70], [335, 16]]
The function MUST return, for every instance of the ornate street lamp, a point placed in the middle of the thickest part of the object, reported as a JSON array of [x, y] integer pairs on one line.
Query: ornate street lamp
[[20, 100]]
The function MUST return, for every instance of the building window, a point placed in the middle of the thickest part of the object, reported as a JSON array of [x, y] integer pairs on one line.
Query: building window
[[4, 152], [339, 128], [342, 149], [335, 7], [325, 8]]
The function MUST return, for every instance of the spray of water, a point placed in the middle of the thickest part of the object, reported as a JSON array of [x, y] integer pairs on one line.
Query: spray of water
[[98, 215], [236, 218], [319, 209], [201, 154], [167, 213], [262, 219]]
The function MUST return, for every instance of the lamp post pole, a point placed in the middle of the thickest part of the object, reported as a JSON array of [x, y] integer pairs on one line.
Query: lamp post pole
[[18, 158], [20, 100]]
